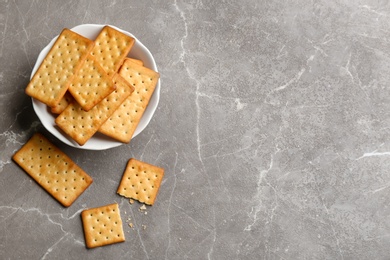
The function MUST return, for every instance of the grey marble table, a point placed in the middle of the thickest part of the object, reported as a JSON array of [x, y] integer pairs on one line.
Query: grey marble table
[[273, 129]]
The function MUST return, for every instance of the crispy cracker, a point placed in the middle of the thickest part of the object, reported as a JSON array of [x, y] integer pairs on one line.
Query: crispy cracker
[[53, 170], [91, 84], [102, 226], [58, 68], [64, 102], [141, 181], [111, 48], [122, 124], [81, 125]]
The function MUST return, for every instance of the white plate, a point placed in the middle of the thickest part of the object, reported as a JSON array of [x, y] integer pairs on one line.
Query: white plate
[[98, 141]]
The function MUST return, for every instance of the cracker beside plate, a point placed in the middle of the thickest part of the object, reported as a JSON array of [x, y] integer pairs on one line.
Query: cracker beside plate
[[52, 169]]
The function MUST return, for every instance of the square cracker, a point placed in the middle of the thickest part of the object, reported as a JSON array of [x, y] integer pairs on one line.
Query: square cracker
[[111, 48], [122, 124], [81, 125], [91, 84], [58, 68], [53, 170], [141, 181], [102, 226]]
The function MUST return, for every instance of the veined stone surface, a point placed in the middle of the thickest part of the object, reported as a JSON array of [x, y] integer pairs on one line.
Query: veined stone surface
[[273, 129]]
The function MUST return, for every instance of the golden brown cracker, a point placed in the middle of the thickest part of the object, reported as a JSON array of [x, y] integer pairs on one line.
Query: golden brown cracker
[[141, 181], [52, 169], [102, 226], [81, 125], [58, 68], [91, 84], [111, 48], [122, 124]]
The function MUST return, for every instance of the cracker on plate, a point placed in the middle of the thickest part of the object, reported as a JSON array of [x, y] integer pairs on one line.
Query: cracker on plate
[[58, 68], [91, 84], [122, 124], [81, 125], [111, 48]]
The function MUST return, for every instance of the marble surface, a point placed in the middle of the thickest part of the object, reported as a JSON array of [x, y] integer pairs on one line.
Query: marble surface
[[272, 128]]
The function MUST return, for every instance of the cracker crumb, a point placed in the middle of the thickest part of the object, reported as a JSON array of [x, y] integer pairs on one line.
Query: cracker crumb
[[143, 227], [143, 207], [146, 213], [131, 201], [131, 225]]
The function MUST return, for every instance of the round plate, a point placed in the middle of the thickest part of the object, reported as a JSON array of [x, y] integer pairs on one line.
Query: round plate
[[98, 141]]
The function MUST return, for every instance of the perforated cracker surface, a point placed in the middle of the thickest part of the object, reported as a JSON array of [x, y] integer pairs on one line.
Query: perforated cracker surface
[[58, 68], [141, 181], [91, 84], [52, 169], [122, 124], [102, 226], [111, 48], [81, 125]]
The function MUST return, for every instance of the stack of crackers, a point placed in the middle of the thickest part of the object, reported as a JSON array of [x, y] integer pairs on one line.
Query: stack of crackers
[[92, 86]]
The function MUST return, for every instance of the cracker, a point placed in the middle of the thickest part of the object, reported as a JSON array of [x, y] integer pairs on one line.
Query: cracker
[[64, 102], [53, 170], [102, 226], [140, 62], [81, 125], [111, 48], [141, 181], [91, 84], [58, 68], [122, 124]]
